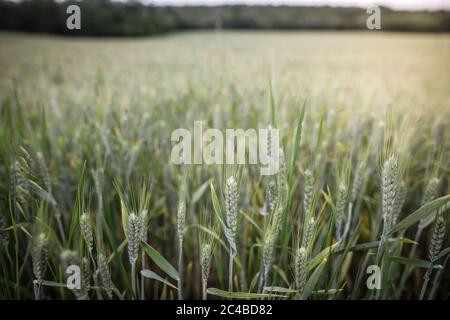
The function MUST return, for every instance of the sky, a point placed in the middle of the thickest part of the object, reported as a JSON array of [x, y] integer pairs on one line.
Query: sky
[[394, 4]]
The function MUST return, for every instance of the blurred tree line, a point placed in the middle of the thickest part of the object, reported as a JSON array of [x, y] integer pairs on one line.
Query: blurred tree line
[[106, 18]]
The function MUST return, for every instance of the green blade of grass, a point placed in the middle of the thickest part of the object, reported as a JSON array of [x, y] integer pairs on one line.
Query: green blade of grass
[[279, 290], [411, 262], [241, 295], [314, 262], [420, 213], [78, 204], [160, 261], [151, 275], [199, 192], [297, 141], [313, 279]]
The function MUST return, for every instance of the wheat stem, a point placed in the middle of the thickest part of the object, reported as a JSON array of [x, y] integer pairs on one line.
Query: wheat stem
[[204, 288], [180, 270]]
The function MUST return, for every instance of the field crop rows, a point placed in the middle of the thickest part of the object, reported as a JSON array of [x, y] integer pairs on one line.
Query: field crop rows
[[86, 177]]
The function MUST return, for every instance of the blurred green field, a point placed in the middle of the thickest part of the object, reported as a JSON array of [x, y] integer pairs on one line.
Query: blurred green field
[[109, 106], [394, 68]]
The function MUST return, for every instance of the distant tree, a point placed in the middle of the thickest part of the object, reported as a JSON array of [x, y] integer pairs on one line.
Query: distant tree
[[132, 18]]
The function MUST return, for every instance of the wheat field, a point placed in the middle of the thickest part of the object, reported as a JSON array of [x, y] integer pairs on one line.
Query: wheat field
[[86, 177]]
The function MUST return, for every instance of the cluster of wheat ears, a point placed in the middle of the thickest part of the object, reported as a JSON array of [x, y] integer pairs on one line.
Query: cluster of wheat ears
[[308, 232], [358, 210]]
